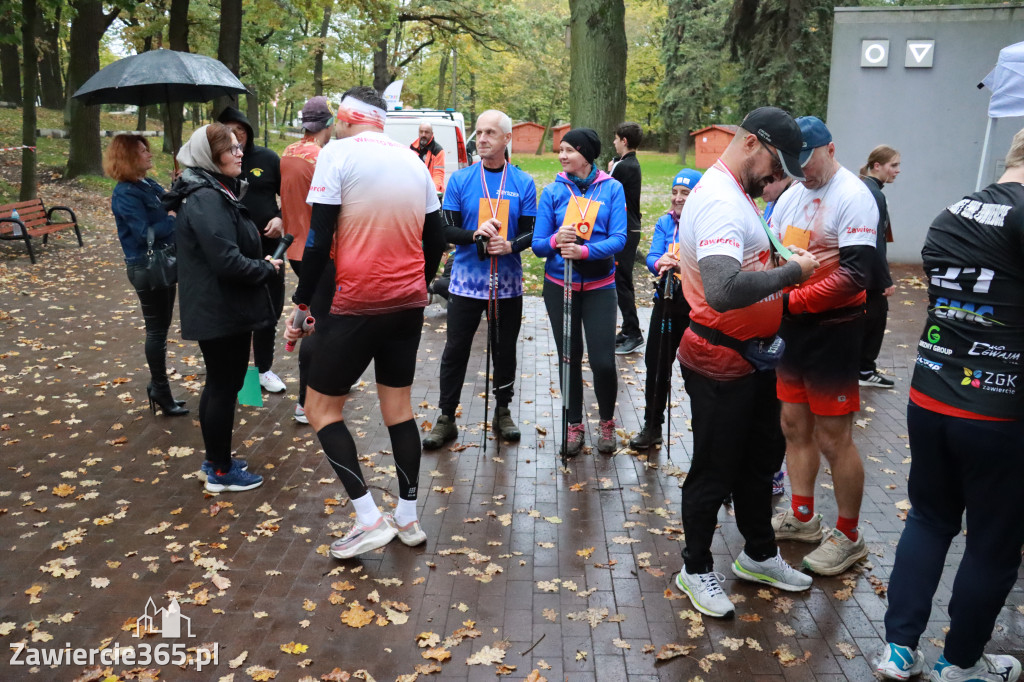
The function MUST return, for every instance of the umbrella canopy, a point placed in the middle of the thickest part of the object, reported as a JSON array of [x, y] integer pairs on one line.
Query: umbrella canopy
[[160, 77], [1006, 82]]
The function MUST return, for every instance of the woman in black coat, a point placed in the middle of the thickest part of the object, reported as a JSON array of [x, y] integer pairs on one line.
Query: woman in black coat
[[222, 282]]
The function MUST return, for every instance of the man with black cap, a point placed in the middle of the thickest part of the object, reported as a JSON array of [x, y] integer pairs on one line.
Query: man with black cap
[[834, 216], [261, 169], [733, 285]]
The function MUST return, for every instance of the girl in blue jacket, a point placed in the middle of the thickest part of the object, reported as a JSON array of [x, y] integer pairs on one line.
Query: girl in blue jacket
[[583, 200]]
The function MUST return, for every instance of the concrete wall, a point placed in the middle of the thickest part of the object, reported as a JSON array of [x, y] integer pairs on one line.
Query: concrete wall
[[935, 116]]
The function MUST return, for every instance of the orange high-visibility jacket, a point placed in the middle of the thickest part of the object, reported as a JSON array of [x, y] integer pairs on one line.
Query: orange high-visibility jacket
[[434, 158]]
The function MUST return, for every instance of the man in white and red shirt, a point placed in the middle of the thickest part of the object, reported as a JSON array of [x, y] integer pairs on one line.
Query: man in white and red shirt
[[733, 286], [376, 210], [833, 215]]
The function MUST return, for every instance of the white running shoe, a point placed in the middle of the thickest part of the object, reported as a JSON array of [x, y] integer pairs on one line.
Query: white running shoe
[[774, 571], [989, 668], [271, 382], [363, 539], [788, 527], [410, 534], [705, 592], [899, 662], [300, 415], [836, 553]]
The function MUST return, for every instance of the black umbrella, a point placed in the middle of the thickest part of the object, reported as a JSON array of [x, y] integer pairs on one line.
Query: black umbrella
[[160, 77]]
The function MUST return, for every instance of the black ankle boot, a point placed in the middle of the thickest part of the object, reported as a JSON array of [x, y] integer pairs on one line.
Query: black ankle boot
[[160, 395]]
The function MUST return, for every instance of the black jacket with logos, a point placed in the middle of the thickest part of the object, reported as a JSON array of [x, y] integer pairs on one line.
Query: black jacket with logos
[[627, 171], [261, 168], [222, 277]]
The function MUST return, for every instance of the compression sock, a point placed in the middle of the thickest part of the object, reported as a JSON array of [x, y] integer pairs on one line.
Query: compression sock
[[405, 443], [340, 449], [848, 527], [803, 508], [366, 509], [405, 512]]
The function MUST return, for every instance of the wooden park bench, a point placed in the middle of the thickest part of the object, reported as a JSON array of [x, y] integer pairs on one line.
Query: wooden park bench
[[33, 220]]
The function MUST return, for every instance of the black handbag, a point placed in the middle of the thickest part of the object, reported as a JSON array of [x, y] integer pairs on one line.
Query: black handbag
[[161, 268]]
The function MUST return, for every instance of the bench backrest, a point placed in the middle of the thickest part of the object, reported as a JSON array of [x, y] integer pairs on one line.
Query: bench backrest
[[31, 213]]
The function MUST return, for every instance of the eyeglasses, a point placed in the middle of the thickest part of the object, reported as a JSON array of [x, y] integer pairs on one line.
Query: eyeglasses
[[236, 148], [777, 167]]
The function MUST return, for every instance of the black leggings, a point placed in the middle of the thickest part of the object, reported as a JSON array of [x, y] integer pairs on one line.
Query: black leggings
[[594, 312], [157, 311], [226, 359]]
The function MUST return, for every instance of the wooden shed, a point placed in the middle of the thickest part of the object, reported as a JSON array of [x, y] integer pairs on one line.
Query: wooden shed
[[526, 137], [710, 142], [556, 135]]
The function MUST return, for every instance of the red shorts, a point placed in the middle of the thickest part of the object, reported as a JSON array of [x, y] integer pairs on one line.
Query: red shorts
[[821, 366]]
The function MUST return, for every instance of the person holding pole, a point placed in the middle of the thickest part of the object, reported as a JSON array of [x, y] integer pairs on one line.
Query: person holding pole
[[672, 313], [581, 225]]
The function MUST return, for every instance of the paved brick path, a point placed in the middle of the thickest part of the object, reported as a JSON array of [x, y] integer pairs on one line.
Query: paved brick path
[[565, 572]]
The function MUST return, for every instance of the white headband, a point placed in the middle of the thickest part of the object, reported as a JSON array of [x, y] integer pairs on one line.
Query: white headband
[[358, 112]]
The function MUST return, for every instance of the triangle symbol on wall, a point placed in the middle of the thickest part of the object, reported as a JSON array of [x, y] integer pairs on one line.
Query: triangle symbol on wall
[[920, 50]]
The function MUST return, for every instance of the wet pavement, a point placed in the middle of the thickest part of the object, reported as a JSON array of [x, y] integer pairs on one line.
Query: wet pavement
[[525, 566]]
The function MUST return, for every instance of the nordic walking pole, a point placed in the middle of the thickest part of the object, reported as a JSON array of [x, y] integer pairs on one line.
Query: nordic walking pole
[[491, 286], [566, 351], [497, 338], [665, 370]]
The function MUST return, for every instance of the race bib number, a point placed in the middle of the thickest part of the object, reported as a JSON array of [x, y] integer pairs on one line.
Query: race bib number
[[584, 224], [797, 237], [485, 214]]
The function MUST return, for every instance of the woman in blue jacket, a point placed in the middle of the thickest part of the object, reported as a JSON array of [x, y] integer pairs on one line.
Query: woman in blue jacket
[[664, 257], [583, 195], [136, 205]]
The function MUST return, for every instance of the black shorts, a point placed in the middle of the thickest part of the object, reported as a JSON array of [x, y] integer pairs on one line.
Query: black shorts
[[390, 340], [821, 365]]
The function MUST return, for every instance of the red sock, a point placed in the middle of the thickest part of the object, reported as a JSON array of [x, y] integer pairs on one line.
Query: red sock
[[803, 508], [848, 527]]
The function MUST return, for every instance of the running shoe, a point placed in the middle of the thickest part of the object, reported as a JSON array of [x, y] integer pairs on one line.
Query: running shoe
[[876, 380], [575, 440], [705, 592], [271, 382], [233, 481], [836, 553], [300, 415], [629, 344], [988, 668], [444, 430], [410, 534], [774, 571], [649, 436], [778, 487], [207, 468], [606, 439], [362, 538], [788, 527], [900, 662]]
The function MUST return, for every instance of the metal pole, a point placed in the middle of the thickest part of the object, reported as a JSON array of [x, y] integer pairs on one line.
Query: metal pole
[[566, 352], [984, 153]]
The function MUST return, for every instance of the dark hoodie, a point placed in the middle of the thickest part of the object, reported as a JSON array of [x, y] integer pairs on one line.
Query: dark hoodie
[[261, 168], [222, 277]]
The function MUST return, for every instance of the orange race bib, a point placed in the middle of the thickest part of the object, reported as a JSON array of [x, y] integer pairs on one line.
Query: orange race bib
[[584, 224], [485, 214], [797, 237]]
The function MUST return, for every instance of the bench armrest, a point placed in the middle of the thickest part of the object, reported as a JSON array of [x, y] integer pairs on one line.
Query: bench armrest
[[61, 208]]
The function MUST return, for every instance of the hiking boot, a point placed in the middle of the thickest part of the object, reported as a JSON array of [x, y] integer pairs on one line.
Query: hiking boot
[[876, 380], [410, 534], [606, 439], [574, 442], [502, 425], [649, 436], [774, 571], [207, 468], [836, 553], [363, 539], [788, 527], [705, 593], [988, 667], [233, 481], [443, 431], [900, 662], [271, 382], [628, 345]]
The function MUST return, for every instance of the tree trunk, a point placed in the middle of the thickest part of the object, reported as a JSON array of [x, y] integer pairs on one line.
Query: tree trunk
[[28, 116], [177, 38], [10, 74], [140, 123], [229, 47], [82, 122], [597, 57], [252, 112], [551, 121], [51, 89], [318, 54], [442, 80], [472, 98], [381, 75]]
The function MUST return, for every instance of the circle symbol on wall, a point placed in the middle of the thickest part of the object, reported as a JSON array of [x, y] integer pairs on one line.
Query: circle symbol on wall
[[874, 53]]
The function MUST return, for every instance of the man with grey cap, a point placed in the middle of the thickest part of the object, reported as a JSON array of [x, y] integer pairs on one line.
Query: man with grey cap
[[732, 280], [834, 216]]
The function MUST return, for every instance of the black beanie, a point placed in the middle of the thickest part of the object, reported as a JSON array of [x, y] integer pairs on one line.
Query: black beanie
[[585, 141]]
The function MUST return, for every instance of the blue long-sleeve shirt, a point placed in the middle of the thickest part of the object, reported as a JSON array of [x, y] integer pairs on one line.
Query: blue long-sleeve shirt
[[136, 206]]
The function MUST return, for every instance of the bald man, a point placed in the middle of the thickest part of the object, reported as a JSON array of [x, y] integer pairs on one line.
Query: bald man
[[430, 153]]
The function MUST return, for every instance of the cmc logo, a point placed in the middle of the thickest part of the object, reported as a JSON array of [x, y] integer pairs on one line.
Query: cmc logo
[[948, 309], [933, 334]]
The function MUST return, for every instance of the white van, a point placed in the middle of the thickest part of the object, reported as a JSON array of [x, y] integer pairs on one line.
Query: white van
[[403, 126]]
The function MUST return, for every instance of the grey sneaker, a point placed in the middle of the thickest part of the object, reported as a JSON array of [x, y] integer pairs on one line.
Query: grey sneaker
[[574, 440], [503, 426], [444, 430], [629, 345], [363, 539], [899, 662], [836, 553], [705, 593], [606, 439], [988, 667], [788, 527], [774, 572], [410, 534]]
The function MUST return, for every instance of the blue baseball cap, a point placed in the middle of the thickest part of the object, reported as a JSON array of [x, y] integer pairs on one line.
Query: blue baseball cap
[[815, 134], [686, 178]]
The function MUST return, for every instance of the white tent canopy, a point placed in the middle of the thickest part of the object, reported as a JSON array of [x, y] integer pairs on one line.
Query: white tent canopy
[[1006, 82]]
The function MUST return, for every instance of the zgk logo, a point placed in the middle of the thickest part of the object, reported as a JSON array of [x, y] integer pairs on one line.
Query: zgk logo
[[933, 334], [995, 382]]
